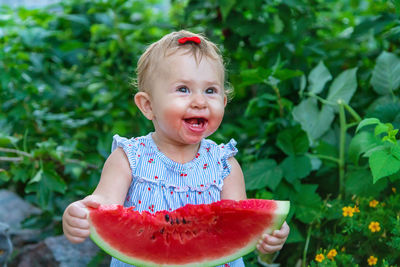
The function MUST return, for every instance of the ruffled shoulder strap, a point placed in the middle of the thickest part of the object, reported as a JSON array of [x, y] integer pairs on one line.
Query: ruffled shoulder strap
[[227, 151], [130, 147]]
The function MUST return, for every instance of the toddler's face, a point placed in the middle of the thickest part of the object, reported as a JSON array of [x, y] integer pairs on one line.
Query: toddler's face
[[187, 98]]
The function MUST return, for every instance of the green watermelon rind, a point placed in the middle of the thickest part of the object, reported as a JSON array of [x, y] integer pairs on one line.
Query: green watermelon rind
[[280, 216]]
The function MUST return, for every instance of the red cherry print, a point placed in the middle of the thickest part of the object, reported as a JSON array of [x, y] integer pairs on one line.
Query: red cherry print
[[172, 193], [214, 181], [226, 265], [187, 195], [197, 155], [149, 188], [156, 177], [208, 149], [205, 166], [140, 202], [202, 185], [199, 193], [129, 145], [142, 144]]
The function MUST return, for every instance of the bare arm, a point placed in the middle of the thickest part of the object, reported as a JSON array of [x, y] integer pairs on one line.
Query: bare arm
[[234, 187], [115, 179], [112, 188]]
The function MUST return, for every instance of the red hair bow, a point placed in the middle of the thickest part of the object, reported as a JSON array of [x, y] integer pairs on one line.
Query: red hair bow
[[194, 39]]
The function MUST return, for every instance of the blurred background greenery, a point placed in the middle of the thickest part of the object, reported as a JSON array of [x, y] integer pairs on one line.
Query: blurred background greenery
[[305, 73]]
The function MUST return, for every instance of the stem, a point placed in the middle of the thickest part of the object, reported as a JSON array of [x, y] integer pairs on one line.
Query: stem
[[342, 146], [352, 112], [278, 94], [327, 158], [306, 246]]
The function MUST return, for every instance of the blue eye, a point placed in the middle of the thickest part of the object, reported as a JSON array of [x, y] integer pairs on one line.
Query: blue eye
[[211, 90], [183, 89]]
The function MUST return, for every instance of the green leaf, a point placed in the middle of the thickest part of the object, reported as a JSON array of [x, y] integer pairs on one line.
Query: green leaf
[[261, 174], [366, 122], [386, 74], [343, 87], [296, 167], [293, 141], [37, 178], [359, 182], [382, 164], [226, 6], [308, 204], [361, 143], [382, 128], [318, 77], [313, 121]]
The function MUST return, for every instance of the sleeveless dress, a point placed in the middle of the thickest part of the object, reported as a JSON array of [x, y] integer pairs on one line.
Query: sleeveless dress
[[159, 183]]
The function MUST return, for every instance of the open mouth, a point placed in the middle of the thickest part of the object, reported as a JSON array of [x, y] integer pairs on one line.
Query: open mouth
[[196, 123]]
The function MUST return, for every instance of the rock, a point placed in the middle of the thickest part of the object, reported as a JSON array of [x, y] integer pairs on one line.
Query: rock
[[21, 210], [5, 244], [58, 251]]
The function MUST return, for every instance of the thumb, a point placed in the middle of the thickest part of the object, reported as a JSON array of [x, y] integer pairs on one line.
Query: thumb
[[90, 202]]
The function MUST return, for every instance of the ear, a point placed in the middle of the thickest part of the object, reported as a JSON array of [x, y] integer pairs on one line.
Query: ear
[[143, 102], [225, 100]]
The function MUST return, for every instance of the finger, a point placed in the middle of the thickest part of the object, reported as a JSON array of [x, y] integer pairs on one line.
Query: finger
[[283, 232], [76, 210], [272, 240], [76, 232], [77, 222], [267, 249], [90, 203], [75, 240]]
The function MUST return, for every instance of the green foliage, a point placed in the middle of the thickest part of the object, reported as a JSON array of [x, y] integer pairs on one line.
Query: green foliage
[[305, 74], [366, 228]]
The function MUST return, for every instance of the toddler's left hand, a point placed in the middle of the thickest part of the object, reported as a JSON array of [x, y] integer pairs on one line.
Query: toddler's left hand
[[272, 243]]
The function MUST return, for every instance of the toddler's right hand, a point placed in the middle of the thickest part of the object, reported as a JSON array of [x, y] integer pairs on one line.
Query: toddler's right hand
[[75, 223]]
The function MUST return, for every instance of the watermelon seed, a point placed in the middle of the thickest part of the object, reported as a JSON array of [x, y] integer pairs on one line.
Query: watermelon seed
[[167, 217], [140, 232], [177, 221], [183, 221], [153, 237], [162, 231]]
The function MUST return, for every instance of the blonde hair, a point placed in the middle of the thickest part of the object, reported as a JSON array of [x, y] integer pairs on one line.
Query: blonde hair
[[169, 45]]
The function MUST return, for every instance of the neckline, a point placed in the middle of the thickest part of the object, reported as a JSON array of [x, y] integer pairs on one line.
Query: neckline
[[172, 163]]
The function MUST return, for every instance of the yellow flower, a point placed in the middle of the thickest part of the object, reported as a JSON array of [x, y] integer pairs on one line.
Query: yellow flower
[[374, 227], [356, 209], [373, 203], [372, 260], [348, 211], [331, 254], [320, 257], [394, 190], [343, 249]]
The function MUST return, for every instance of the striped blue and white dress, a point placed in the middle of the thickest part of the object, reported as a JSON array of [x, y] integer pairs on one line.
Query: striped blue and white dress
[[159, 183]]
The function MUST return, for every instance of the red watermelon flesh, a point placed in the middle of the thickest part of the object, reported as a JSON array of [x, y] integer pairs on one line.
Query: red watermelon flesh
[[194, 235]]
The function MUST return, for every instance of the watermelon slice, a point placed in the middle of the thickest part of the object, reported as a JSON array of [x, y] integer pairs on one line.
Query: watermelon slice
[[194, 235]]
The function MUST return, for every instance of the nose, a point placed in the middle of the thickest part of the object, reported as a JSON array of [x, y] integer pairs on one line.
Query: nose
[[198, 101]]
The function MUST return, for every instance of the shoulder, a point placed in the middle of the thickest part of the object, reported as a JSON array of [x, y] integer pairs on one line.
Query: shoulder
[[234, 186]]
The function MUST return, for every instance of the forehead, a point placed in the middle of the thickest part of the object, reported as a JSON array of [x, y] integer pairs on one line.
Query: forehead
[[185, 63]]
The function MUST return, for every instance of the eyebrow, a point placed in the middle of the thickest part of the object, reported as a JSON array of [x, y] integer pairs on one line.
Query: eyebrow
[[185, 81]]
